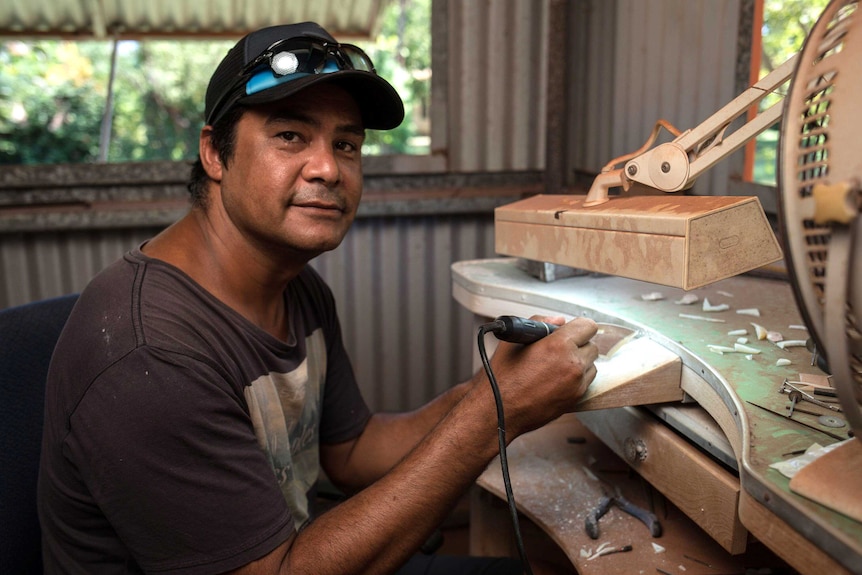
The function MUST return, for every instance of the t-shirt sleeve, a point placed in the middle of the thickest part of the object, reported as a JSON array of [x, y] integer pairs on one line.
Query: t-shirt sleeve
[[169, 454]]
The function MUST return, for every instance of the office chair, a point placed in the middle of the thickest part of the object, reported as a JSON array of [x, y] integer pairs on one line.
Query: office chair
[[28, 334]]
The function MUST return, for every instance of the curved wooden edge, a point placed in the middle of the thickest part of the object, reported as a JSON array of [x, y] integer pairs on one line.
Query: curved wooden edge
[[640, 372], [785, 541]]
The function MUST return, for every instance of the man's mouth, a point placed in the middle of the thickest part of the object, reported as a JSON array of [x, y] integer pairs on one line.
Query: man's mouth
[[320, 204]]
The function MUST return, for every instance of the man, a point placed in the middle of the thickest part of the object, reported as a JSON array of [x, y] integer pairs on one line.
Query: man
[[201, 383]]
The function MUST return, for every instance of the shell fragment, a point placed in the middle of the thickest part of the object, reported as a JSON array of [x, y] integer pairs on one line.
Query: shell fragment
[[687, 299], [791, 343], [749, 311], [652, 296], [760, 331], [745, 348], [721, 349], [701, 318], [709, 307]]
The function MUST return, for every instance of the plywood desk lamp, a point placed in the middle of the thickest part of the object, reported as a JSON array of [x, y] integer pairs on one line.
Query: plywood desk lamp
[[674, 240]]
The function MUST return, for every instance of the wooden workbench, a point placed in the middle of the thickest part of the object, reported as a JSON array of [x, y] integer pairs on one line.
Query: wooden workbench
[[729, 452], [558, 474]]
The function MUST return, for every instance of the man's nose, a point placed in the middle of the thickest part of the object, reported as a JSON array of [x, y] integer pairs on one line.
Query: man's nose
[[322, 164]]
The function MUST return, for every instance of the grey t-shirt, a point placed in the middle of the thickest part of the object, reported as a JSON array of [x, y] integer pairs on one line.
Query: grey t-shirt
[[180, 437]]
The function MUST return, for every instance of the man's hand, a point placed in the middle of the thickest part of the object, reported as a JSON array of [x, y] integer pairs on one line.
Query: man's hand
[[541, 381]]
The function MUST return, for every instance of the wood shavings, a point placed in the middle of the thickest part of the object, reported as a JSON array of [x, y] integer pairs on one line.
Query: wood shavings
[[710, 307], [737, 332], [687, 299], [791, 343], [653, 296], [701, 318], [749, 311], [745, 348], [759, 331], [783, 362]]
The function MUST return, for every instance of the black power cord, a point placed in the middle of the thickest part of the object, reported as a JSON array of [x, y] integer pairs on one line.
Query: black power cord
[[516, 330]]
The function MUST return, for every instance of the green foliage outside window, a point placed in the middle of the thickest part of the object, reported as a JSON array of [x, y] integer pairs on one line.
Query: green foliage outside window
[[53, 93], [786, 24]]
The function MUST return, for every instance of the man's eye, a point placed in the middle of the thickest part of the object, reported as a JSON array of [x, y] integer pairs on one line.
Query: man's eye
[[347, 146], [289, 136]]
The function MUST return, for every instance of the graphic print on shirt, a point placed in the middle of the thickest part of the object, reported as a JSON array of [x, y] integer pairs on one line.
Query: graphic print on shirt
[[285, 411]]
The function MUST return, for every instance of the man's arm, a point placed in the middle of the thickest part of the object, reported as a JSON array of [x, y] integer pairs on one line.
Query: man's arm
[[377, 529], [385, 440]]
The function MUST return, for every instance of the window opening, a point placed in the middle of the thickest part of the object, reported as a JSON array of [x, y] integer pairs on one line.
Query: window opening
[[780, 28], [57, 96]]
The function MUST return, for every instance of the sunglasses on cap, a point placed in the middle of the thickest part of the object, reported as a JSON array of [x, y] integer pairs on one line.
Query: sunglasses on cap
[[289, 59]]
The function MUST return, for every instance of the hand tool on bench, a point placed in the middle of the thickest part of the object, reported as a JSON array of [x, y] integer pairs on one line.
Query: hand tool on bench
[[647, 518]]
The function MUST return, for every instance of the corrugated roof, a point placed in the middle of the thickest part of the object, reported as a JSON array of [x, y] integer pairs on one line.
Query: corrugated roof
[[84, 19]]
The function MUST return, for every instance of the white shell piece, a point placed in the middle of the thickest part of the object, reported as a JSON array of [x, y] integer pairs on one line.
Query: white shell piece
[[737, 332], [657, 548], [701, 318], [760, 331], [774, 336], [687, 299], [720, 349], [709, 307], [749, 356], [782, 362], [791, 343], [798, 326], [742, 340], [724, 293], [652, 296], [745, 348], [749, 311]]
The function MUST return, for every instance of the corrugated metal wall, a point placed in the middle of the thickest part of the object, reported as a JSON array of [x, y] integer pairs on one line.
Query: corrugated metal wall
[[133, 18], [496, 84], [649, 60], [40, 265], [629, 63]]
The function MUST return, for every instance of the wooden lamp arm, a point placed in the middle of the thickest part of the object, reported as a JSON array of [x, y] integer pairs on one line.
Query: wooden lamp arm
[[675, 165]]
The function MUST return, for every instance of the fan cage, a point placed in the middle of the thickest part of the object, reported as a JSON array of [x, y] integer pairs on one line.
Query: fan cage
[[811, 166]]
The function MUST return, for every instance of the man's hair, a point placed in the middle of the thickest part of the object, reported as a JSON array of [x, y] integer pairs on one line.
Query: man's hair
[[223, 139]]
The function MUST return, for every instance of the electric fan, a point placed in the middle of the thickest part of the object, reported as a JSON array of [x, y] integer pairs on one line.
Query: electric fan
[[820, 170]]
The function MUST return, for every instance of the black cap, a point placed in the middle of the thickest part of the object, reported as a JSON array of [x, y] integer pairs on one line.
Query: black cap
[[380, 105]]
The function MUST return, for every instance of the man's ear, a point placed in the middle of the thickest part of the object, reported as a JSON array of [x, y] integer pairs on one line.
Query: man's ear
[[209, 155]]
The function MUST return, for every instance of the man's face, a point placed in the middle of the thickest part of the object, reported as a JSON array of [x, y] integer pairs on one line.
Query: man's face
[[294, 181]]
